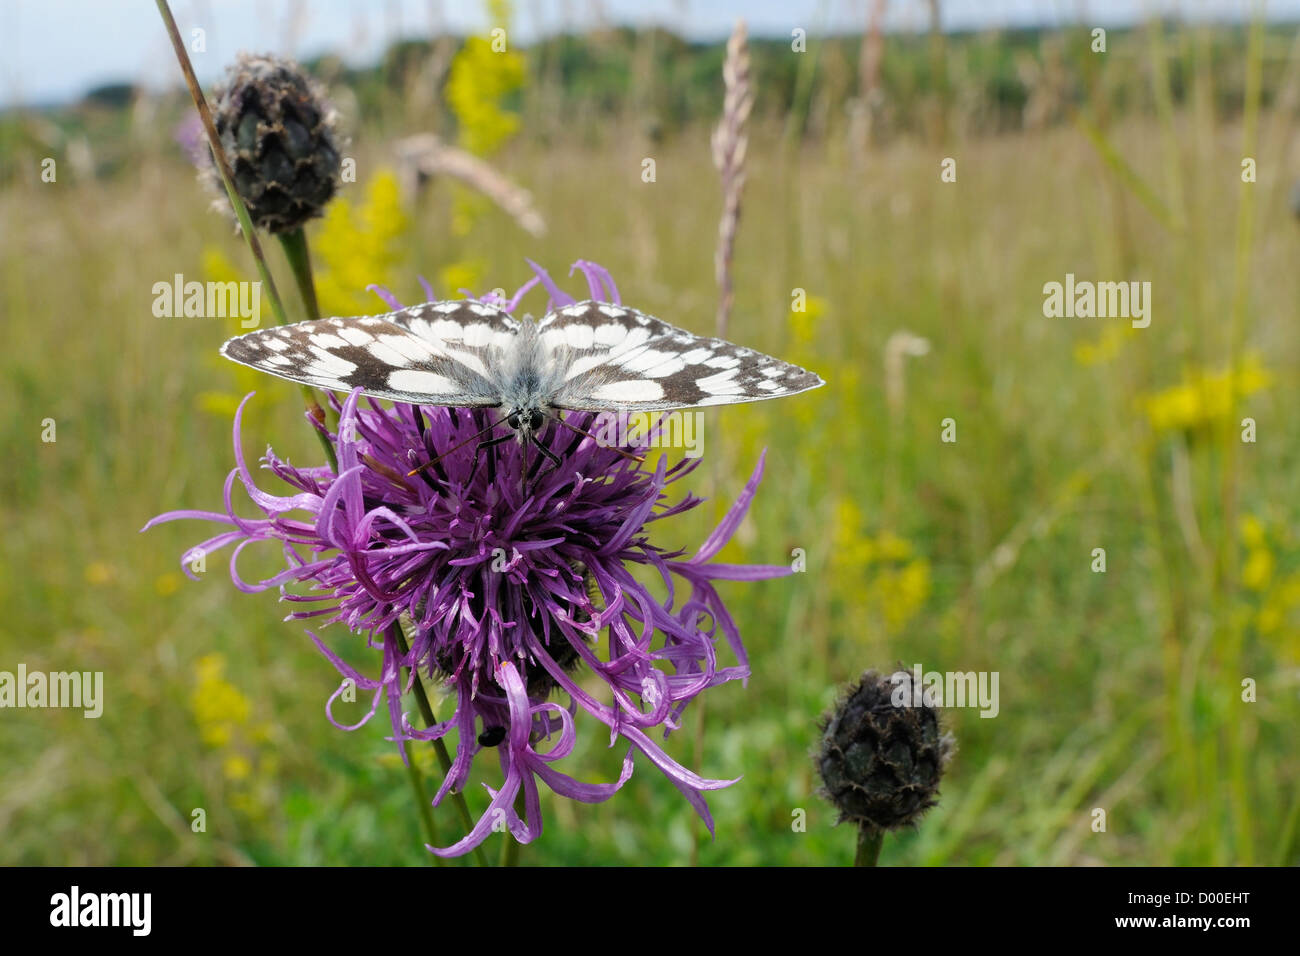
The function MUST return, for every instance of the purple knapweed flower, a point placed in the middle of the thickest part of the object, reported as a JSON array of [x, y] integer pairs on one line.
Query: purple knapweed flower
[[506, 582], [189, 136]]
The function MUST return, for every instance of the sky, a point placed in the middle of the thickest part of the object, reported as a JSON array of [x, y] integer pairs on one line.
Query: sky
[[54, 50]]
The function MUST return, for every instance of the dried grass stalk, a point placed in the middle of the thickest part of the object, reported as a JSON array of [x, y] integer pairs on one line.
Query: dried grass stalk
[[423, 156], [729, 144]]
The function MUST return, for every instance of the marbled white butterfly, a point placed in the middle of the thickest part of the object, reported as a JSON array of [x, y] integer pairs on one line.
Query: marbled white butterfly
[[591, 356]]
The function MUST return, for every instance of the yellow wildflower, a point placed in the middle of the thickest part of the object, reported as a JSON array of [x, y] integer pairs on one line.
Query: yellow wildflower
[[1258, 570], [803, 324], [360, 244], [219, 706], [853, 549], [890, 547], [466, 274], [1203, 398], [217, 267], [885, 569], [1252, 531], [1106, 346], [236, 767], [900, 593], [98, 572], [167, 584], [225, 719], [479, 79]]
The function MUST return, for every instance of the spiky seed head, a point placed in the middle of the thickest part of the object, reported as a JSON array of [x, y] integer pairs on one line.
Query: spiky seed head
[[880, 764], [278, 132]]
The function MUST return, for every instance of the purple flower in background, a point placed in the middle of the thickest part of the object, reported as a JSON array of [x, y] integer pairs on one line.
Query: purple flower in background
[[190, 137], [508, 584]]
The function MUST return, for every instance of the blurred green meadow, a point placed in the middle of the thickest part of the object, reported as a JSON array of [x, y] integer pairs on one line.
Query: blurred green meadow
[[1163, 690]]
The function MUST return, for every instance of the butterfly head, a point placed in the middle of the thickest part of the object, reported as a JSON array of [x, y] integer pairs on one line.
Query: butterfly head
[[526, 421]]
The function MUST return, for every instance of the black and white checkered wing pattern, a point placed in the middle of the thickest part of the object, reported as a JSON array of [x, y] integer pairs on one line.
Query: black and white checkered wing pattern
[[616, 358], [438, 353]]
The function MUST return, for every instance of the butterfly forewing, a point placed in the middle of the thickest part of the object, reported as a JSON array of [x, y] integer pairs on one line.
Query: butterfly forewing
[[438, 353], [590, 356], [618, 358]]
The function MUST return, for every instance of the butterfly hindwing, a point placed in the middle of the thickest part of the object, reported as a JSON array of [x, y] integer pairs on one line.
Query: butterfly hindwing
[[438, 353], [617, 358]]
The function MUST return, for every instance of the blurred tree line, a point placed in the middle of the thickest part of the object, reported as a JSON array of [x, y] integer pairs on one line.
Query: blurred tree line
[[603, 84]]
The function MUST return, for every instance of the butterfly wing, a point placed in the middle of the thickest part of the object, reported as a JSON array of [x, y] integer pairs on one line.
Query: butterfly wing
[[616, 358], [437, 353]]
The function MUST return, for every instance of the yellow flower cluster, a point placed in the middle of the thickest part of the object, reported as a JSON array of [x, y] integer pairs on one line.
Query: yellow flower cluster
[[359, 244], [803, 330], [225, 719], [465, 274], [883, 573], [1278, 594], [479, 79], [803, 324], [100, 572], [1205, 399], [483, 74], [1106, 346], [217, 267]]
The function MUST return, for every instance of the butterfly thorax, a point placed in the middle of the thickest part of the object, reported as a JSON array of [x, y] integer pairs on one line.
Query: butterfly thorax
[[529, 380]]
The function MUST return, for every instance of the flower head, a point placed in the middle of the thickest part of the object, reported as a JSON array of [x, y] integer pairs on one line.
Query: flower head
[[880, 762], [510, 574], [277, 130]]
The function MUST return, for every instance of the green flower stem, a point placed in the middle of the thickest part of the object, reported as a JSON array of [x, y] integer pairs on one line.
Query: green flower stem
[[241, 213], [294, 244], [295, 248], [870, 839], [440, 748], [422, 801]]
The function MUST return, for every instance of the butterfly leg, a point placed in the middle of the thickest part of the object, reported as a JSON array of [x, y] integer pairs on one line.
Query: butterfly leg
[[546, 453], [492, 461]]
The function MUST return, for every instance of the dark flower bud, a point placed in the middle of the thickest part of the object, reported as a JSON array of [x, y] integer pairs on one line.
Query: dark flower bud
[[880, 764], [278, 133]]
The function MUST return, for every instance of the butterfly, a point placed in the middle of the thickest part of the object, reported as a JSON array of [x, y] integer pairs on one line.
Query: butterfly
[[590, 356]]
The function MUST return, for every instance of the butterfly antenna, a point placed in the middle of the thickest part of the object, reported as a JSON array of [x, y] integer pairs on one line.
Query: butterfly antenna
[[639, 459], [433, 461]]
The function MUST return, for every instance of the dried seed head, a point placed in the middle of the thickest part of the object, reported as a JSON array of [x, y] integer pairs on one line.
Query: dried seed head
[[278, 131], [880, 764]]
